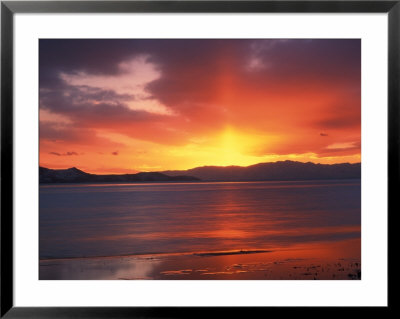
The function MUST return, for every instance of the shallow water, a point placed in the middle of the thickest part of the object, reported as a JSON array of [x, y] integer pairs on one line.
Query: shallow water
[[79, 220], [324, 260]]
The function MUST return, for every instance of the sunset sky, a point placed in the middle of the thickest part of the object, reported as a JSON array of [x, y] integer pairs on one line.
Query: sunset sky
[[123, 106]]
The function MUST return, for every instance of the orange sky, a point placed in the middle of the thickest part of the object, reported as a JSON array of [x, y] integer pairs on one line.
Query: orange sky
[[122, 106]]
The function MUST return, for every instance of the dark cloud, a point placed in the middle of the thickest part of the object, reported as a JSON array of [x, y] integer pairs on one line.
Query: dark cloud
[[114, 153], [64, 154], [71, 133], [192, 70], [92, 107], [77, 55]]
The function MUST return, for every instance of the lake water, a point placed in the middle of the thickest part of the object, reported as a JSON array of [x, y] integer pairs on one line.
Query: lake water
[[80, 220]]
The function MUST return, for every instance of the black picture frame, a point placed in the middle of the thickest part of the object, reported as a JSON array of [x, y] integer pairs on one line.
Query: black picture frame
[[9, 8]]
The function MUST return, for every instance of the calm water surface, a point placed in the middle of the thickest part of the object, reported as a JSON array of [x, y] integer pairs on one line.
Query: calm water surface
[[129, 219]]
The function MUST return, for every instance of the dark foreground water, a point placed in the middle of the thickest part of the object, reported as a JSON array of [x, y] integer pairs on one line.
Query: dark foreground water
[[222, 222]]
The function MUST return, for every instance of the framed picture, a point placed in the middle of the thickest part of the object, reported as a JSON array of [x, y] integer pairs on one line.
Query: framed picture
[[161, 158]]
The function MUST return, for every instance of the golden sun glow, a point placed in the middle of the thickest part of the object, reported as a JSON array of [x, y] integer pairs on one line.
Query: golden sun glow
[[234, 148]]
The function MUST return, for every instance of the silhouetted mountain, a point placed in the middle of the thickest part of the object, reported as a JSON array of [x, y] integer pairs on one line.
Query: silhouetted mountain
[[74, 175], [277, 171], [283, 170]]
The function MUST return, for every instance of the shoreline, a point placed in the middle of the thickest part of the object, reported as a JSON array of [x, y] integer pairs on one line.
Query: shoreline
[[295, 263], [167, 254]]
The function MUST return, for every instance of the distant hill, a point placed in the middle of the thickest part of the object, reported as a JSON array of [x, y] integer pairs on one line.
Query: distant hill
[[283, 170], [277, 171], [74, 175]]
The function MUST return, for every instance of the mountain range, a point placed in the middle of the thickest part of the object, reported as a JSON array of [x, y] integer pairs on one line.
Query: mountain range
[[282, 170], [274, 171], [74, 175]]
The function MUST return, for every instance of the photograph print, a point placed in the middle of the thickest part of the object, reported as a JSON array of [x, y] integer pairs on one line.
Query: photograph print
[[199, 159]]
